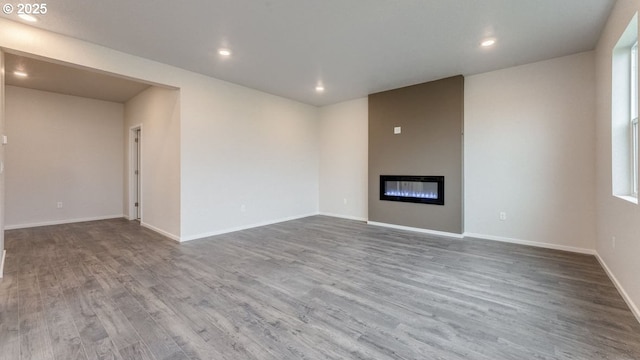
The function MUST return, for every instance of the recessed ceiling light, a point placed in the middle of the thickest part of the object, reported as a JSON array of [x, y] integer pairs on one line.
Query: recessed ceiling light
[[488, 42], [224, 52], [20, 73], [319, 88], [27, 17]]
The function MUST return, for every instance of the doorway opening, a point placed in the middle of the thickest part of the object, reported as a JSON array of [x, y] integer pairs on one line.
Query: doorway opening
[[135, 174]]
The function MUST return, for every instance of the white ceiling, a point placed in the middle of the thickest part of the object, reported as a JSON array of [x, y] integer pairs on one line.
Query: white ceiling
[[70, 80], [353, 47]]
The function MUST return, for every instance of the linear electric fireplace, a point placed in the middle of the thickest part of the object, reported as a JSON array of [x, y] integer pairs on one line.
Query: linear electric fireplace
[[416, 189]]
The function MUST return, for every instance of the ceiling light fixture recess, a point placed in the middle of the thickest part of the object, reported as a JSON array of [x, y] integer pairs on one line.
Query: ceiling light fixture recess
[[27, 17], [224, 52], [488, 42], [20, 73]]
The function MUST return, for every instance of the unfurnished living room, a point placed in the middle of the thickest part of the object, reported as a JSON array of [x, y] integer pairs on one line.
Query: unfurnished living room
[[300, 179]]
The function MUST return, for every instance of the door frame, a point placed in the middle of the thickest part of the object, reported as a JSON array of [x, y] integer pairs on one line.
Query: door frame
[[133, 152]]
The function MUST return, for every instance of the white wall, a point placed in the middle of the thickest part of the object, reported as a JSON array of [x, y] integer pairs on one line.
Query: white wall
[[521, 124], [2, 160], [248, 158], [237, 146], [157, 111], [615, 217], [343, 159], [529, 150], [62, 149]]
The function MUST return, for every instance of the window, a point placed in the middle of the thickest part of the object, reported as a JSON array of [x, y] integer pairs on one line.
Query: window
[[634, 119], [624, 114]]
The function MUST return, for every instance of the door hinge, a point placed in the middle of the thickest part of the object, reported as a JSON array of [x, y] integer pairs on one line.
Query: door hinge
[[136, 205], [136, 139], [136, 172]]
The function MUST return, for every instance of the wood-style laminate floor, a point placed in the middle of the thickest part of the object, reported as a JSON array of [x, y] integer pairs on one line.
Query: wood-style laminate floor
[[314, 288]]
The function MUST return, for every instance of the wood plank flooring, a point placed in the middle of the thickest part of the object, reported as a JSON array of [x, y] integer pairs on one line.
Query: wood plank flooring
[[314, 288]]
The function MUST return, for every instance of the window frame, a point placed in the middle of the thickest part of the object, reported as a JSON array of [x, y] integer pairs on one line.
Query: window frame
[[625, 91], [633, 121]]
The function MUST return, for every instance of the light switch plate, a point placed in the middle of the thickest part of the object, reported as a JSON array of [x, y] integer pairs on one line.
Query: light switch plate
[[4, 139], [397, 130]]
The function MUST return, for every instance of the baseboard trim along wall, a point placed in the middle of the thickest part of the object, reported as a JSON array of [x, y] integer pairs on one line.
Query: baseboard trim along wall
[[347, 217], [530, 243], [420, 230], [4, 254], [634, 309], [632, 306], [60, 222], [244, 227], [160, 231]]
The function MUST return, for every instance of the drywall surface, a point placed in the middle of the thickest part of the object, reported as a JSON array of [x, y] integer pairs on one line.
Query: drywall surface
[[248, 158], [2, 158], [529, 147], [343, 159], [615, 217], [238, 146], [430, 116], [157, 112], [64, 158]]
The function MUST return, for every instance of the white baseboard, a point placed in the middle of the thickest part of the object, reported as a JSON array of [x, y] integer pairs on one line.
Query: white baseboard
[[244, 227], [160, 231], [531, 243], [4, 254], [634, 309], [60, 222], [420, 230], [632, 306], [348, 217]]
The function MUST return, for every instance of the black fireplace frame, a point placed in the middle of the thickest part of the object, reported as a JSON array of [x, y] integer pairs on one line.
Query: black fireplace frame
[[415, 178]]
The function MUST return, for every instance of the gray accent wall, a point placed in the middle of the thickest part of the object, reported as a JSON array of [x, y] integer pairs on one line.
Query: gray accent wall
[[430, 116]]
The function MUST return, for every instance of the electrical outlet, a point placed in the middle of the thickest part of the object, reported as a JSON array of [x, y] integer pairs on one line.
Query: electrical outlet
[[345, 201], [59, 204], [243, 208], [503, 216]]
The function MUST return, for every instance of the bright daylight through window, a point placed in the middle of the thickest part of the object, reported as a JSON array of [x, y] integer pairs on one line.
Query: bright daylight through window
[[634, 119], [624, 114]]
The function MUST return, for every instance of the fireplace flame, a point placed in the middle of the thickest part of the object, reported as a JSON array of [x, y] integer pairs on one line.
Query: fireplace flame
[[420, 195]]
